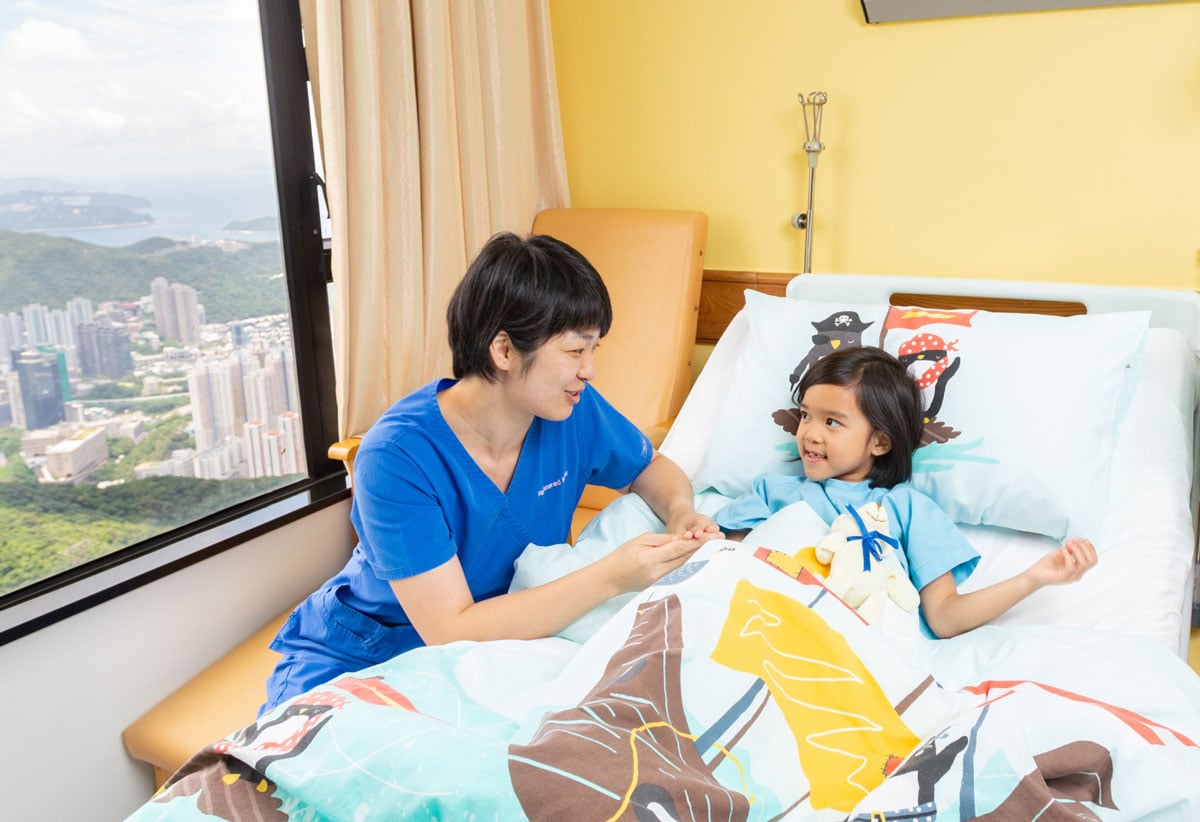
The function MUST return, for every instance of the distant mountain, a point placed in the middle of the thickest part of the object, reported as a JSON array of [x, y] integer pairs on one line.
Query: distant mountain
[[10, 185], [32, 210], [258, 224], [232, 282]]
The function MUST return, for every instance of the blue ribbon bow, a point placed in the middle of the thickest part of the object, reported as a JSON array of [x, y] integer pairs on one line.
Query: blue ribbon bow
[[871, 548]]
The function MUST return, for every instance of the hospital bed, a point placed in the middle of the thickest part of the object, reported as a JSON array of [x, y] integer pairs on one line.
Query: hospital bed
[[1154, 457], [738, 688]]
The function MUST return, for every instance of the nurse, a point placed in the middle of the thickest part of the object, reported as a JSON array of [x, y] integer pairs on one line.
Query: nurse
[[454, 480]]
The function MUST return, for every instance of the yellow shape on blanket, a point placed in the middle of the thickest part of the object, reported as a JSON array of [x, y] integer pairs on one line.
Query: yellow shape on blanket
[[844, 724], [807, 556], [791, 565]]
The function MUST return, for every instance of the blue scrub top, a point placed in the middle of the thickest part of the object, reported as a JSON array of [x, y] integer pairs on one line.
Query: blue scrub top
[[419, 499]]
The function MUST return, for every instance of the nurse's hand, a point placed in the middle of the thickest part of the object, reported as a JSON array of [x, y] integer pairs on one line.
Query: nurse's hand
[[647, 558]]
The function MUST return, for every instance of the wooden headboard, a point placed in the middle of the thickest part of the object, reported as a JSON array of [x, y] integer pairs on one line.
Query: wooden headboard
[[722, 295]]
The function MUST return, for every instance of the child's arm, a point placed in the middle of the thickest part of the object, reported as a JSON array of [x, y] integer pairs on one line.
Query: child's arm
[[949, 613]]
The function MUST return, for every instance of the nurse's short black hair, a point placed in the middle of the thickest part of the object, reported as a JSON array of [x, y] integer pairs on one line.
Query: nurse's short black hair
[[887, 396], [533, 288]]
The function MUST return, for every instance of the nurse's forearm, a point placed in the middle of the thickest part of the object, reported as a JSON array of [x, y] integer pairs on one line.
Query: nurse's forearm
[[529, 614], [666, 489], [441, 608]]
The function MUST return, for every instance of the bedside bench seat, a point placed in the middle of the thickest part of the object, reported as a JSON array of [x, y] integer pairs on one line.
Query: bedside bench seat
[[220, 699]]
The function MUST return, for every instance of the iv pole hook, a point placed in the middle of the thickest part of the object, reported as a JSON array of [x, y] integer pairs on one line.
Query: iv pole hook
[[813, 106]]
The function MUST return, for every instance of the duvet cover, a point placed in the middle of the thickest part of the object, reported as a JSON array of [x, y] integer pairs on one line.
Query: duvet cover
[[737, 688]]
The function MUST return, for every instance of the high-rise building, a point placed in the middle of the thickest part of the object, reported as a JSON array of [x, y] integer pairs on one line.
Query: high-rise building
[[6, 416], [63, 337], [165, 321], [253, 432], [187, 313], [63, 378], [37, 324], [79, 310], [265, 386], [219, 462], [274, 451], [104, 350], [12, 337], [12, 385], [294, 460], [218, 403], [177, 313], [41, 376], [288, 365]]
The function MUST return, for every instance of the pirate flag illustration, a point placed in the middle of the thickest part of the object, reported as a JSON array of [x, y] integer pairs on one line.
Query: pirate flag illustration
[[930, 359], [927, 359], [842, 329]]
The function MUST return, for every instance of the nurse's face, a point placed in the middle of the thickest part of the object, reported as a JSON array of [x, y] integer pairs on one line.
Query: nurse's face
[[552, 377]]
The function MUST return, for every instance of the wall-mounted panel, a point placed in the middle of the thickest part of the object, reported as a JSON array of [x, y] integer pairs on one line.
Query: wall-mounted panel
[[887, 11]]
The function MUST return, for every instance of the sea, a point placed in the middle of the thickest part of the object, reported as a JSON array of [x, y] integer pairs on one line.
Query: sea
[[192, 210]]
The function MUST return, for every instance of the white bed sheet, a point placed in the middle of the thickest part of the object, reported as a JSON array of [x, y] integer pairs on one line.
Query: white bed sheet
[[1139, 586], [1142, 584]]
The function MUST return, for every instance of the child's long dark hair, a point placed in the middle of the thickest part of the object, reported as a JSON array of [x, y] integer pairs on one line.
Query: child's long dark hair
[[887, 396]]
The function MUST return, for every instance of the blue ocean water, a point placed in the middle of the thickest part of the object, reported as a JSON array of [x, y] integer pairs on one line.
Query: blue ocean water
[[196, 210]]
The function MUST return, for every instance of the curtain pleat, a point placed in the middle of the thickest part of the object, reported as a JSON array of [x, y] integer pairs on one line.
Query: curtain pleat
[[438, 125]]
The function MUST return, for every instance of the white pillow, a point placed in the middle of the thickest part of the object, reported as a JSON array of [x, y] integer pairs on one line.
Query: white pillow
[[1029, 412]]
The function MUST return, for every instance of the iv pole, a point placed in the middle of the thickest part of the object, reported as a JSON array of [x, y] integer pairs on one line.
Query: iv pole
[[813, 106]]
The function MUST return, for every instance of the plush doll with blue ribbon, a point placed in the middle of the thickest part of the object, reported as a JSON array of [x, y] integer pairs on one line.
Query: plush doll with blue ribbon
[[863, 567]]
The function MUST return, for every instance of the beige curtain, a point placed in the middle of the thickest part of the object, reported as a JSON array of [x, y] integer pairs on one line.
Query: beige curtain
[[439, 126]]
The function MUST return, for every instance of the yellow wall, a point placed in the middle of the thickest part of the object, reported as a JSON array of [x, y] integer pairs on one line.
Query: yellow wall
[[1058, 145]]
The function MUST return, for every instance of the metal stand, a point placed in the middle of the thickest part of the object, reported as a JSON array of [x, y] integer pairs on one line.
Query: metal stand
[[1196, 596], [813, 105]]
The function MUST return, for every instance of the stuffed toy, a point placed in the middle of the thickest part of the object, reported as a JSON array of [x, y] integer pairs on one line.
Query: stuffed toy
[[863, 568]]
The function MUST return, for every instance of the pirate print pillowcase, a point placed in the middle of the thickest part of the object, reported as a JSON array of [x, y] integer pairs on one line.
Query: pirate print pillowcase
[[1021, 410]]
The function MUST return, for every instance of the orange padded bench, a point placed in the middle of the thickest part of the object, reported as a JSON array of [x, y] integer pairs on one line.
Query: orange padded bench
[[217, 701], [220, 699]]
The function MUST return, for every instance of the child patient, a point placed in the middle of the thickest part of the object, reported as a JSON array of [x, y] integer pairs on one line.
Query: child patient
[[859, 423]]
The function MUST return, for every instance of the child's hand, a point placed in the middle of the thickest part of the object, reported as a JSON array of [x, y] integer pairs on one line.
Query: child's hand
[[694, 526], [1068, 564]]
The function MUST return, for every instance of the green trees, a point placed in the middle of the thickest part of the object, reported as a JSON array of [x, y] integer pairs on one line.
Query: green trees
[[48, 529]]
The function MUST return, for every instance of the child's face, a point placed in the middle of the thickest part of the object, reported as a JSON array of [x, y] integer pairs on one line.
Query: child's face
[[834, 438]]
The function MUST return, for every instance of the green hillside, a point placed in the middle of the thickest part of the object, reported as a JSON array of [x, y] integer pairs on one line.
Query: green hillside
[[45, 530], [231, 285]]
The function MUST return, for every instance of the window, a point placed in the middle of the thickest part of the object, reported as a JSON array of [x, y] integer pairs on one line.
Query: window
[[165, 354]]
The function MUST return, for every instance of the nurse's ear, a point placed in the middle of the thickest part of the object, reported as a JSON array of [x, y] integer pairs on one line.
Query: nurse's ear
[[504, 355]]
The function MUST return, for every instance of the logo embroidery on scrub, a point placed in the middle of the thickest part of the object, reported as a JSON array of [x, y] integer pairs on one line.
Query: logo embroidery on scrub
[[555, 484]]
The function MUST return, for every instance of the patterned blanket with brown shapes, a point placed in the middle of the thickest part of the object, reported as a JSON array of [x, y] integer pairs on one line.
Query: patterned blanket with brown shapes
[[737, 688]]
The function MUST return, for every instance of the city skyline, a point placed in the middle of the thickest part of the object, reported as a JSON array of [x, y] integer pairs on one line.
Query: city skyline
[[241, 390]]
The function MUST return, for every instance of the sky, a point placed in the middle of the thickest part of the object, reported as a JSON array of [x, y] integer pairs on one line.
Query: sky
[[120, 94]]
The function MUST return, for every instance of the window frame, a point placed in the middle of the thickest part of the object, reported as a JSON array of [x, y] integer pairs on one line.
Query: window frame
[[306, 268]]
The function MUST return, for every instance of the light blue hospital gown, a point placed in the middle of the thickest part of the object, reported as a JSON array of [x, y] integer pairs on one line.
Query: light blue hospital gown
[[930, 543]]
